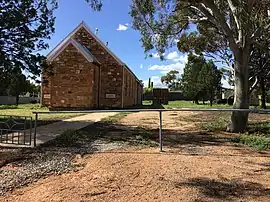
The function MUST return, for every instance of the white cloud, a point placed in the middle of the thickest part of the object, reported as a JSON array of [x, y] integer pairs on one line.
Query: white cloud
[[179, 66], [176, 40], [176, 57], [156, 82], [172, 55], [127, 24], [182, 58], [122, 27], [141, 66], [156, 55]]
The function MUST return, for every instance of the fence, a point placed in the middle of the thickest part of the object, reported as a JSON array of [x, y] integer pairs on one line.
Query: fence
[[16, 130], [160, 111], [172, 96], [11, 100]]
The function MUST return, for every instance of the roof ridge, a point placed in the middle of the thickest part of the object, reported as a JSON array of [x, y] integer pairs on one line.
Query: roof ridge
[[78, 46], [84, 25]]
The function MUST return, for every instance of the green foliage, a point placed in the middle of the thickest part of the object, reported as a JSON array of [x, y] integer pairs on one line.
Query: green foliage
[[171, 79], [201, 79], [23, 27], [14, 83], [218, 124], [268, 96], [257, 141], [149, 83], [189, 104], [96, 5], [147, 90], [218, 24]]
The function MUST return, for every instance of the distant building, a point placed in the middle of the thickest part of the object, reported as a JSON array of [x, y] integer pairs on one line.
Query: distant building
[[227, 93]]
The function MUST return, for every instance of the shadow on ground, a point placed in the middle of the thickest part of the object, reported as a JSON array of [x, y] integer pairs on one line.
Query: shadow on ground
[[225, 189], [57, 156]]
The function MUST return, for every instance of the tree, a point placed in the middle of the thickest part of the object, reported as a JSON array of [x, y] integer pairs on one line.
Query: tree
[[209, 80], [201, 79], [189, 81], [23, 27], [4, 81], [171, 80], [260, 69], [15, 83], [229, 26], [149, 82]]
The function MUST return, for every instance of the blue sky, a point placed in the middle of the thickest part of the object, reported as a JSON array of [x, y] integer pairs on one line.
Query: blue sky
[[114, 24]]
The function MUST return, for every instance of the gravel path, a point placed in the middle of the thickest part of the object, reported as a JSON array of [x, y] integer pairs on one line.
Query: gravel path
[[35, 166], [29, 165]]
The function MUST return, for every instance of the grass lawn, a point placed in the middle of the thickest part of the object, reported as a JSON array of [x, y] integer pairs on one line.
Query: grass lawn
[[190, 104], [27, 109], [184, 104]]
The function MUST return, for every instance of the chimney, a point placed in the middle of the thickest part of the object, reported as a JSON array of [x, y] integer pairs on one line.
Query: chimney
[[96, 32]]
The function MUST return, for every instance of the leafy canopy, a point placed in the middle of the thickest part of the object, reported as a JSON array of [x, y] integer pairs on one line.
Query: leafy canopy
[[201, 78], [24, 26], [218, 27], [171, 79]]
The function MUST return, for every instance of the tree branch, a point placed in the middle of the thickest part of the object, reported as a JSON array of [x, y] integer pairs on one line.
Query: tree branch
[[222, 21], [254, 85]]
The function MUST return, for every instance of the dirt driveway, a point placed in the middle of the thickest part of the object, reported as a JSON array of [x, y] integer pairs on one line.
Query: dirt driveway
[[197, 166]]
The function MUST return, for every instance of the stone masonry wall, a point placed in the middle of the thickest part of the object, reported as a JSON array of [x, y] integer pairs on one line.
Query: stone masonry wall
[[74, 83], [111, 71], [130, 89]]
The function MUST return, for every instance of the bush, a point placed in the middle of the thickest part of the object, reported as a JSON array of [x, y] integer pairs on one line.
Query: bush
[[255, 140], [214, 125]]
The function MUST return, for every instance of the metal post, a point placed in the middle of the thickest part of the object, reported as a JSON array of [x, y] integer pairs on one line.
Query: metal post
[[35, 130], [160, 131]]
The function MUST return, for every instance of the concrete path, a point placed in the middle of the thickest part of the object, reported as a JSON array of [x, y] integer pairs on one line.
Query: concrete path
[[49, 132]]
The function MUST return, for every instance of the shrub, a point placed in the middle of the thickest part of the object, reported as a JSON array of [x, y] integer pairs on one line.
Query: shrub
[[254, 140]]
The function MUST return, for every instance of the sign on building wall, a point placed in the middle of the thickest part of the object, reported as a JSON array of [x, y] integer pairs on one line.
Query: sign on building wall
[[111, 96], [47, 96]]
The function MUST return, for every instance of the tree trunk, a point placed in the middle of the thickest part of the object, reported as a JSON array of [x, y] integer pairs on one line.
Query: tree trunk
[[196, 99], [239, 120], [263, 94], [211, 100], [17, 99]]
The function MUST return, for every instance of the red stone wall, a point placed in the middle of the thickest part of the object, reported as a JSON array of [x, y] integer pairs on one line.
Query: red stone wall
[[130, 89], [74, 83], [111, 71]]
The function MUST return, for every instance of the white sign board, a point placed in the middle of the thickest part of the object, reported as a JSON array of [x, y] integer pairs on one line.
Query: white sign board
[[47, 96], [110, 96]]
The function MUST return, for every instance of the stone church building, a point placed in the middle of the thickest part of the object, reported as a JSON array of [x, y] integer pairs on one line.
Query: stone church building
[[82, 73]]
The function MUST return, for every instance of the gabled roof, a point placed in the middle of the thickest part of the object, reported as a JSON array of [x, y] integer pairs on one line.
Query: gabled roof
[[83, 50], [69, 37]]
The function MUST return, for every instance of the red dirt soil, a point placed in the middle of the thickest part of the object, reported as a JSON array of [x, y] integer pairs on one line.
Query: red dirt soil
[[208, 171]]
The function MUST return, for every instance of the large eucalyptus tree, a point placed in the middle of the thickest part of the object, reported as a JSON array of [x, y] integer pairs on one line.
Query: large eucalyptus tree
[[226, 28]]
